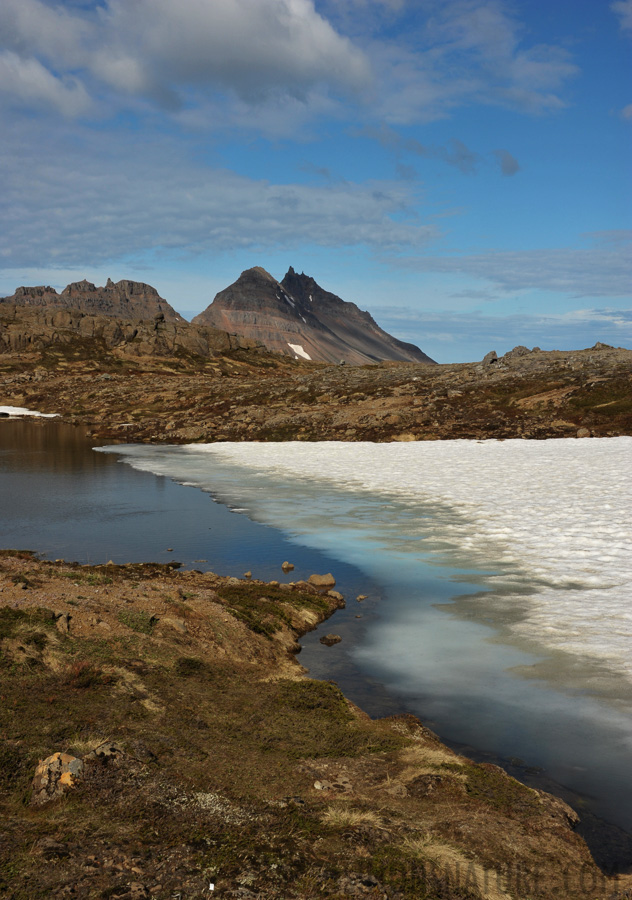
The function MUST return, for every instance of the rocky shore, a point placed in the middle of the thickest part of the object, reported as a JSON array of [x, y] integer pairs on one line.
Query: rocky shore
[[159, 736]]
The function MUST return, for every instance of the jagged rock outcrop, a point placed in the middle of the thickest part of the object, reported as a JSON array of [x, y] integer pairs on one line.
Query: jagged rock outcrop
[[25, 329], [125, 300], [298, 318]]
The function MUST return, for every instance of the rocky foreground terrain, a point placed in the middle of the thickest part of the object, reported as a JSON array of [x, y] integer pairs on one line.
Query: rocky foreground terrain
[[165, 391], [158, 736]]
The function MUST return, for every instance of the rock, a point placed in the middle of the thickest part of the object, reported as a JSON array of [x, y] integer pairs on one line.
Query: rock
[[490, 358], [583, 433], [322, 581], [336, 595], [330, 639], [287, 566], [361, 597], [62, 622], [396, 789], [247, 574], [51, 849], [108, 750], [323, 786], [520, 350], [178, 625], [54, 776]]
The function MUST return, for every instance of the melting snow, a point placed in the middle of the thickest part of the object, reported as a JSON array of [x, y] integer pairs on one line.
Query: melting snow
[[298, 349], [553, 516], [21, 411]]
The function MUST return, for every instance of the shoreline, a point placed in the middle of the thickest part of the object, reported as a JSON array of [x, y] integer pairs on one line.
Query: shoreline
[[112, 604]]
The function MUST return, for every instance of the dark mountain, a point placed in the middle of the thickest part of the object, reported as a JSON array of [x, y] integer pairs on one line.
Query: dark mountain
[[125, 300], [298, 318]]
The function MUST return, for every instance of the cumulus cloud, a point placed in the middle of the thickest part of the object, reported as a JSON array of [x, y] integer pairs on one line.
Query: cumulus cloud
[[603, 269], [249, 46], [96, 199], [509, 165], [162, 51], [179, 56], [623, 9]]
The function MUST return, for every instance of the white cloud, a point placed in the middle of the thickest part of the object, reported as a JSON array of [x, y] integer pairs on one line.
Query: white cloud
[[450, 336], [603, 269], [623, 8], [29, 82], [626, 112], [186, 55], [97, 199], [469, 51], [163, 50]]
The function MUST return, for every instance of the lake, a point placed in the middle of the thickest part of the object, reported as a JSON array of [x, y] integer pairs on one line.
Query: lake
[[426, 640]]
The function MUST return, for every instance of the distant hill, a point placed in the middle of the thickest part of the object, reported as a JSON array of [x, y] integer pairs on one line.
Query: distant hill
[[127, 300], [298, 318]]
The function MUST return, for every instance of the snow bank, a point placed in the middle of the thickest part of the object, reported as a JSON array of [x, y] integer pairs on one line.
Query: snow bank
[[552, 516], [15, 411], [298, 349]]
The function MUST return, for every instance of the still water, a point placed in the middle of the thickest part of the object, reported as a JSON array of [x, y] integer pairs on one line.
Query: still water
[[402, 650]]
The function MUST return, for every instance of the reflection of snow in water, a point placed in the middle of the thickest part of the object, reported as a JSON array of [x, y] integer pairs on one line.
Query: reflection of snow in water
[[555, 514]]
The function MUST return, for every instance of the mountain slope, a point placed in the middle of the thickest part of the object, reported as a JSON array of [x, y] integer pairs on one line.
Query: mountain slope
[[298, 318]]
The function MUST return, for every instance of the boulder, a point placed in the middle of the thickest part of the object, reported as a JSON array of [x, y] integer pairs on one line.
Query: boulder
[[330, 639], [520, 350], [178, 625], [54, 776], [322, 581], [490, 358], [287, 566]]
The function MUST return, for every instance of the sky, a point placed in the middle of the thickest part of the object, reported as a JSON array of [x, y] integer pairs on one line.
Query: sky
[[460, 168]]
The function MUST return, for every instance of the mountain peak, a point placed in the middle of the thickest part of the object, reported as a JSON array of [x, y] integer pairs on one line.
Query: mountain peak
[[299, 318]]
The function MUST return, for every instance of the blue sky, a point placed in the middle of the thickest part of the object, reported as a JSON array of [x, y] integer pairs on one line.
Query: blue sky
[[460, 168]]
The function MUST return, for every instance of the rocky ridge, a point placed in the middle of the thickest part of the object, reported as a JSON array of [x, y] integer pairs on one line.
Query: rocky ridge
[[298, 318], [125, 300], [26, 328]]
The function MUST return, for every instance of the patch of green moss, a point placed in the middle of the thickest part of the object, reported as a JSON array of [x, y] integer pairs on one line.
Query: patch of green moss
[[11, 618], [488, 784], [263, 608], [137, 620]]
